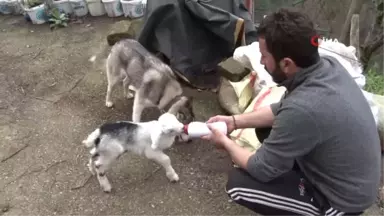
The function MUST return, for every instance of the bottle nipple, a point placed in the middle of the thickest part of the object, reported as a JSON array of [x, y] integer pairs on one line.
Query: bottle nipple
[[185, 129]]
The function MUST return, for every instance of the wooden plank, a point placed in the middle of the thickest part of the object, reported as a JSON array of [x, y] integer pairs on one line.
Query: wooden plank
[[354, 37]]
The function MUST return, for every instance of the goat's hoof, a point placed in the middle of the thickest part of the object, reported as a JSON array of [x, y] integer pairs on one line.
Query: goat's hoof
[[173, 177], [130, 96], [109, 104], [91, 170], [107, 189]]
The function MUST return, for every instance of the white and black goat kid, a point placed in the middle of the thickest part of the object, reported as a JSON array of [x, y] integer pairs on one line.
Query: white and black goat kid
[[148, 139]]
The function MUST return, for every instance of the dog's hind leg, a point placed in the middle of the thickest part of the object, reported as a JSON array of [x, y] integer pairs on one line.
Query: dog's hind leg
[[112, 81], [110, 88], [127, 92], [138, 107], [163, 160]]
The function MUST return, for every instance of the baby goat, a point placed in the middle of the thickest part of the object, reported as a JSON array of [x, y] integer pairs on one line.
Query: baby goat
[[111, 140]]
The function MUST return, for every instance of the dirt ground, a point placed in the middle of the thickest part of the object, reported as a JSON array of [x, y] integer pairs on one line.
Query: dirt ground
[[51, 97]]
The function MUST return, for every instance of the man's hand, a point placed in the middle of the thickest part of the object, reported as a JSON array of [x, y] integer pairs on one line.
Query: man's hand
[[239, 155], [229, 120], [217, 137]]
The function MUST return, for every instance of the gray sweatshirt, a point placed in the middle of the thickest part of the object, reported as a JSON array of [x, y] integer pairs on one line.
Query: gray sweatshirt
[[325, 123]]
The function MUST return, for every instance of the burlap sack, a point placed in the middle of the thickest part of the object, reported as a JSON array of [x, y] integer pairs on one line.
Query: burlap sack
[[235, 97], [378, 101], [246, 138]]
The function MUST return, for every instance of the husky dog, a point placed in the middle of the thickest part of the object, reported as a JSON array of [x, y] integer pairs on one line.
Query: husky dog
[[153, 81], [111, 140]]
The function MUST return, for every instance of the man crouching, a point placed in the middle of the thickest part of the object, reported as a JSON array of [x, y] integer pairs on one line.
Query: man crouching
[[321, 152]]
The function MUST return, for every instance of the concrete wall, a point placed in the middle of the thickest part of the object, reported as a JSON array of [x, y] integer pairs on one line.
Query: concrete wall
[[327, 14]]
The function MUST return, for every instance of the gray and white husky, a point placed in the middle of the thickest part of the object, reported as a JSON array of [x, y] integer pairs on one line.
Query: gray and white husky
[[153, 81]]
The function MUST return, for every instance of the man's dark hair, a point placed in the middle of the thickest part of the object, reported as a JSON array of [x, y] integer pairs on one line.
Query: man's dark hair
[[288, 33]]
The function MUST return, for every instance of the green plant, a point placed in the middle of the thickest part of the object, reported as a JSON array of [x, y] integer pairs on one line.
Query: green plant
[[380, 13], [374, 82], [32, 3], [57, 19]]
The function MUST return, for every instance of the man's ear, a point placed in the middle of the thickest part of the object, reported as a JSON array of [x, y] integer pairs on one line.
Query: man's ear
[[284, 65]]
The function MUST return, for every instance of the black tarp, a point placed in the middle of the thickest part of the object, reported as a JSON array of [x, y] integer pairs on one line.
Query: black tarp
[[195, 35]]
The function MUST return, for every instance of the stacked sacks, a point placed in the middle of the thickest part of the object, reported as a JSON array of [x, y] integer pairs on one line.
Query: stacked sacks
[[235, 95], [265, 92], [347, 57]]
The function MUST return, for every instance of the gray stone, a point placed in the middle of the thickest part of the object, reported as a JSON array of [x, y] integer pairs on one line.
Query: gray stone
[[227, 98], [124, 29], [233, 70]]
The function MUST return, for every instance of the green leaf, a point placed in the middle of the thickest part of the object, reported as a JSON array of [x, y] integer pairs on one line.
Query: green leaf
[[379, 18], [380, 7]]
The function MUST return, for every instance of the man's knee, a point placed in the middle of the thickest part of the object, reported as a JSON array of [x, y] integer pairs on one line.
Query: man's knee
[[237, 178], [262, 133], [238, 185]]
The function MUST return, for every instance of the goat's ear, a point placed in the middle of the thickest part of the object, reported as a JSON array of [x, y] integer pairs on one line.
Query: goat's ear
[[164, 128], [155, 136]]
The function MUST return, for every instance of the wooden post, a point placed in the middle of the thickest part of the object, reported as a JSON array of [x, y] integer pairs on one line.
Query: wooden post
[[354, 38], [249, 5], [354, 8]]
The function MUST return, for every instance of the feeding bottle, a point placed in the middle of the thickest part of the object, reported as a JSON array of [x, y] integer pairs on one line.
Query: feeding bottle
[[198, 129]]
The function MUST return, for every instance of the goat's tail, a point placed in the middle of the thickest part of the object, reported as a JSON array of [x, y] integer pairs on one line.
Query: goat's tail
[[93, 139]]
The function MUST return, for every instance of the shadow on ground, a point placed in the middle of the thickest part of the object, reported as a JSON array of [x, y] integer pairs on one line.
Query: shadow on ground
[[51, 97]]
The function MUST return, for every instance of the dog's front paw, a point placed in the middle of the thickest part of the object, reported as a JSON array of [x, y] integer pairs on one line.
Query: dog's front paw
[[109, 104], [173, 177]]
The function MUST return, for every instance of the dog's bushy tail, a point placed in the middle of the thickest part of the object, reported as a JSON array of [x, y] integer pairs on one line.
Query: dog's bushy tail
[[104, 49], [100, 55], [93, 139]]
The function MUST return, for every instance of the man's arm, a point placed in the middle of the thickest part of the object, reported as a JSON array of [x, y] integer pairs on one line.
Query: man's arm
[[286, 142], [239, 155], [260, 118]]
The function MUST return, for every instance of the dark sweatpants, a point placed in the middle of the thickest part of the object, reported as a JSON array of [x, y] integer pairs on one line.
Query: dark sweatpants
[[289, 194]]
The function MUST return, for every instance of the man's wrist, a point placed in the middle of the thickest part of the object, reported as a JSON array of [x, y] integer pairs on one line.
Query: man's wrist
[[234, 122], [227, 144]]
